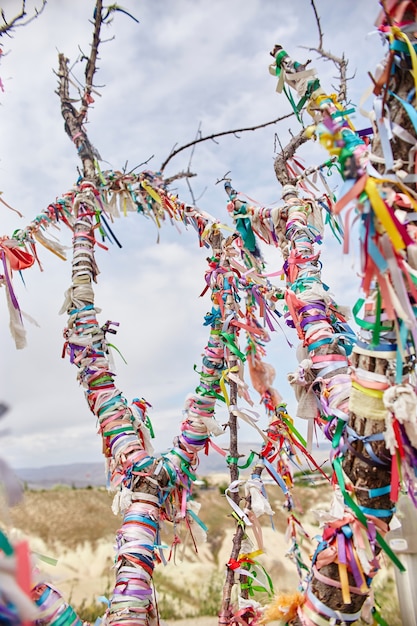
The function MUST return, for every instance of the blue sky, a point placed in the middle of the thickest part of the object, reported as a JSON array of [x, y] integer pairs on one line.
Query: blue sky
[[188, 63]]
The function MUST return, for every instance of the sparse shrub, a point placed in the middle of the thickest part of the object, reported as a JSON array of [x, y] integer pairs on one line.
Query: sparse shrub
[[168, 609], [215, 540], [206, 483], [90, 612], [222, 488], [210, 595]]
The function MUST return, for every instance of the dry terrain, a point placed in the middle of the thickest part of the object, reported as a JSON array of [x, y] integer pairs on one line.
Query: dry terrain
[[76, 527]]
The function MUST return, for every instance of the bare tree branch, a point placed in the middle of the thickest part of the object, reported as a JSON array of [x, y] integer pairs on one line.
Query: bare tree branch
[[225, 178], [287, 153], [221, 134], [74, 119], [197, 136], [190, 189], [19, 19], [317, 18], [297, 140], [340, 62], [187, 174], [91, 65]]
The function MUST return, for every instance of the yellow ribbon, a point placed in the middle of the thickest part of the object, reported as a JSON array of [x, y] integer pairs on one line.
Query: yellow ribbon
[[320, 98], [404, 189], [374, 393], [250, 555], [344, 581], [151, 191], [364, 587], [396, 33], [382, 214], [100, 173], [215, 226], [315, 617], [222, 382]]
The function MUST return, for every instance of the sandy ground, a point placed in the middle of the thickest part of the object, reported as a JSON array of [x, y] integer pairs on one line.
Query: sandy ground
[[85, 572]]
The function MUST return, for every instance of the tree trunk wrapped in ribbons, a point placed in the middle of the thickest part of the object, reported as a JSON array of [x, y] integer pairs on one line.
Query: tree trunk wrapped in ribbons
[[381, 365]]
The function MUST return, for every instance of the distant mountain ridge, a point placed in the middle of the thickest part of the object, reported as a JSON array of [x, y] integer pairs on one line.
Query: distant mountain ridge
[[81, 475], [73, 475]]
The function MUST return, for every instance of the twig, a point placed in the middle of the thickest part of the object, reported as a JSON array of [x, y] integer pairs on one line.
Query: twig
[[74, 119], [221, 134], [186, 174], [190, 189], [340, 62], [225, 177], [316, 15], [287, 153], [19, 19], [91, 65]]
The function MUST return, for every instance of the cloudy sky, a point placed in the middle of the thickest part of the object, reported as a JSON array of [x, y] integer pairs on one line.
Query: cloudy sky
[[187, 64]]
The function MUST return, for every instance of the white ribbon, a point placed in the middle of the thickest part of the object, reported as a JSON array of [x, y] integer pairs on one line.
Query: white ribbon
[[243, 414], [234, 488]]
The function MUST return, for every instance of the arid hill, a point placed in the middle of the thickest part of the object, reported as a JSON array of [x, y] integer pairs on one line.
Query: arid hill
[[77, 528]]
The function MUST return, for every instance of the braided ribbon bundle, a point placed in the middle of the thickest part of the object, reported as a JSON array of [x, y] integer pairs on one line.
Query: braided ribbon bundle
[[145, 484]]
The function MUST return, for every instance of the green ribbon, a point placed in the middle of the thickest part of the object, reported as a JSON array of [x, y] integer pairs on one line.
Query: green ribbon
[[293, 105], [102, 379], [244, 228], [376, 327], [197, 519], [184, 466], [378, 618], [343, 113], [100, 227], [209, 392], [46, 559], [249, 461], [229, 341], [294, 431], [117, 431], [399, 361], [117, 350], [5, 545], [140, 465], [67, 618], [278, 59], [338, 433], [235, 460], [149, 426], [250, 586], [334, 227], [360, 515], [171, 473]]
